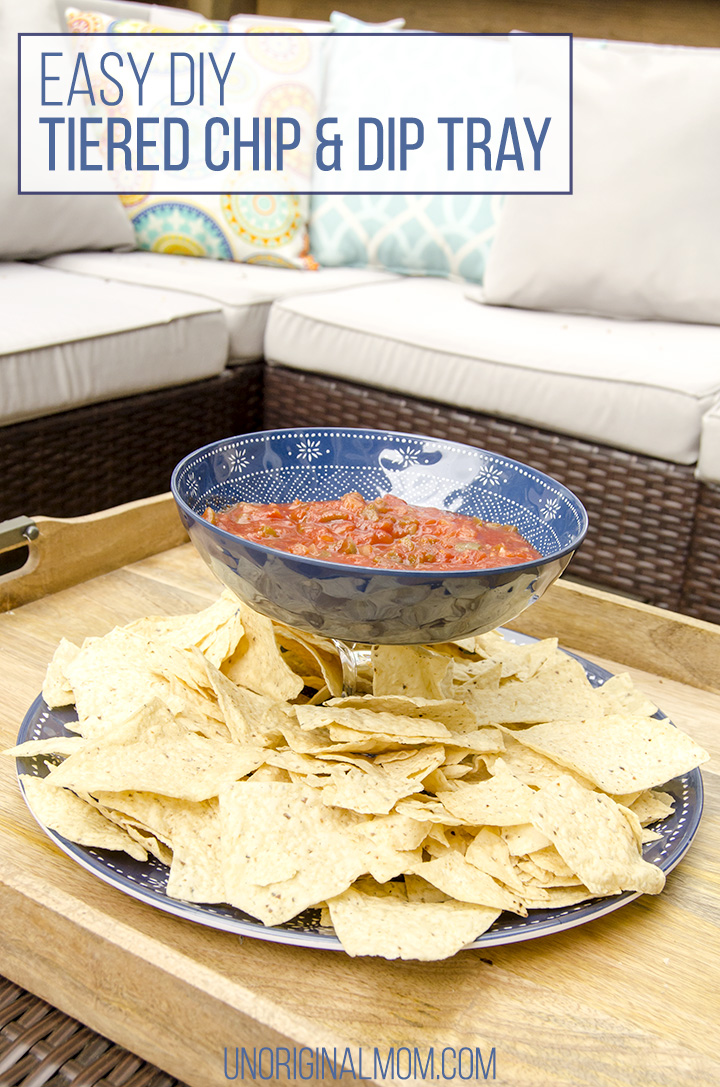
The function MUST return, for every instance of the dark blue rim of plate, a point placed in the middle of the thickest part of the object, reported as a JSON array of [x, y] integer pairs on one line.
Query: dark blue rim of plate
[[412, 575], [146, 881]]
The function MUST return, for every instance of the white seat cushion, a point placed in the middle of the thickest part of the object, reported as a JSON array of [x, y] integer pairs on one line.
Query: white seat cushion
[[708, 469], [245, 292], [641, 386], [68, 340]]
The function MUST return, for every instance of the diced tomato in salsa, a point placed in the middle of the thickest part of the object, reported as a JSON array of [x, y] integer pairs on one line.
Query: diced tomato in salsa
[[384, 532]]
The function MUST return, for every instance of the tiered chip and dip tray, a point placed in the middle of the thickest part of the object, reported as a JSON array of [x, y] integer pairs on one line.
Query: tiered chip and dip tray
[[578, 1006]]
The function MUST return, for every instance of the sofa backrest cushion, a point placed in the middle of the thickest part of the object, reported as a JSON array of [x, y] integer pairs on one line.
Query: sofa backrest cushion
[[37, 226], [640, 235]]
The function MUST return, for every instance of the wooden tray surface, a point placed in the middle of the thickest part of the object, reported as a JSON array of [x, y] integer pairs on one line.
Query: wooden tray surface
[[628, 999]]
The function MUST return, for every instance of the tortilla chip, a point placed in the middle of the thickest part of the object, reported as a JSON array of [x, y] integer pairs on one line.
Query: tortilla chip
[[52, 745], [376, 722], [284, 850], [555, 898], [215, 631], [318, 654], [368, 792], [652, 805], [489, 852], [395, 929], [559, 688], [418, 889], [60, 810], [460, 879], [481, 741], [549, 860], [524, 838], [137, 830], [528, 765], [257, 662], [620, 695], [319, 742], [186, 665], [413, 671], [501, 801], [413, 762], [400, 832], [594, 839], [476, 676], [389, 845], [427, 809], [618, 753], [250, 717], [154, 752], [521, 661], [111, 678], [448, 711], [465, 784], [57, 689]]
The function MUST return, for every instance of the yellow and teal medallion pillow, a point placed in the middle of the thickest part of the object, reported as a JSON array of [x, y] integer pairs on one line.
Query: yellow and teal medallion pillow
[[271, 78]]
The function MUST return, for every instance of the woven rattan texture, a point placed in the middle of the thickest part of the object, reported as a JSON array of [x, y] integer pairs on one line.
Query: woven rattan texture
[[701, 593], [40, 1045], [99, 456], [641, 510]]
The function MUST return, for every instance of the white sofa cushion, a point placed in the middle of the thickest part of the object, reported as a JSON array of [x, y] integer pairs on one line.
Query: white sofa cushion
[[68, 340], [641, 386], [245, 292], [640, 235], [708, 468], [34, 226]]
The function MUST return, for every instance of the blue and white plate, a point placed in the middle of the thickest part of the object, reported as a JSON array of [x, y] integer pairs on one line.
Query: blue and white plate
[[147, 880]]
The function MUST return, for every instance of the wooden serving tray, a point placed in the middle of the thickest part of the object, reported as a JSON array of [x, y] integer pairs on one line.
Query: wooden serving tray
[[626, 1000]]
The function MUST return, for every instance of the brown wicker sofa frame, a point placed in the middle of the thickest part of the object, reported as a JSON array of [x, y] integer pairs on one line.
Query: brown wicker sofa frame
[[654, 529]]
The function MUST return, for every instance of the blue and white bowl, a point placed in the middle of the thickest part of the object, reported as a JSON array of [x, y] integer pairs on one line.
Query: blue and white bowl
[[371, 605]]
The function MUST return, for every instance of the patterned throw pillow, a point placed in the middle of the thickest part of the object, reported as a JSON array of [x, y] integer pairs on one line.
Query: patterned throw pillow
[[274, 78], [419, 235], [434, 235], [98, 22]]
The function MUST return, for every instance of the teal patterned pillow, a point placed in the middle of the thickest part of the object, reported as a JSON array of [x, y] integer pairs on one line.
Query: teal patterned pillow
[[419, 235]]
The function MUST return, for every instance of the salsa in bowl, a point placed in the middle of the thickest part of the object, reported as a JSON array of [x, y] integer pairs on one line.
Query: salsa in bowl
[[385, 532], [372, 603]]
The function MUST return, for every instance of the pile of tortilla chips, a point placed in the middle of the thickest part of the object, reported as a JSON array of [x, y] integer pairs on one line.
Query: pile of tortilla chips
[[476, 777]]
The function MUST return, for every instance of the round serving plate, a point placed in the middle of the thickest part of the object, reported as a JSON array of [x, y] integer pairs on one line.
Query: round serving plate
[[147, 880]]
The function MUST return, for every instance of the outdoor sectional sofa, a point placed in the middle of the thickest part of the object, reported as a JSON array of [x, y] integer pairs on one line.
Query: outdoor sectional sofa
[[115, 362]]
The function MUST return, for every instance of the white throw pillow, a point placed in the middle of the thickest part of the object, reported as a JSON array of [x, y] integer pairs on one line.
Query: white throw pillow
[[245, 24], [640, 235], [37, 226], [348, 24]]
